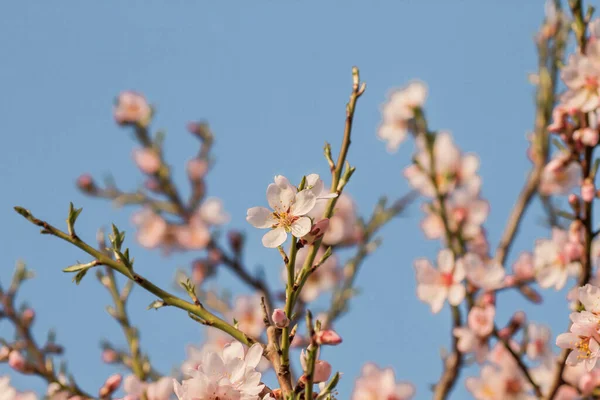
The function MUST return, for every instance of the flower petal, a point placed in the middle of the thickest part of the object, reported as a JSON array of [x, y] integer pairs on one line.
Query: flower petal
[[260, 217], [301, 226], [274, 238], [303, 203]]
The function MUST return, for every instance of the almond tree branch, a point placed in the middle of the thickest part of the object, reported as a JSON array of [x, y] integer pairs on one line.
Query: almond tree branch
[[168, 299]]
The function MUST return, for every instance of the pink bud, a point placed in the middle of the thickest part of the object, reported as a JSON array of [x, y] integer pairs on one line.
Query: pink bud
[[4, 352], [86, 184], [112, 383], [589, 137], [16, 361], [322, 371], [588, 191], [328, 337], [197, 169], [317, 231], [279, 318], [28, 316], [109, 356], [152, 185], [147, 160], [132, 108]]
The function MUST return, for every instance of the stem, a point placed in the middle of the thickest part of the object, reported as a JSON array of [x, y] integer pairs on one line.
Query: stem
[[169, 299]]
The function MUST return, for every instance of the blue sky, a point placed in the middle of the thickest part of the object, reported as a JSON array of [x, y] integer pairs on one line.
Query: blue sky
[[272, 78]]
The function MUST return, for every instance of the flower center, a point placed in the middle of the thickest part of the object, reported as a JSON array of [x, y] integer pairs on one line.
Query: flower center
[[513, 386], [447, 279], [285, 219], [591, 83]]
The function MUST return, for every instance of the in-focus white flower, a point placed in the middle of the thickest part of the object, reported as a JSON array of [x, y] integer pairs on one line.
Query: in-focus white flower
[[229, 374], [288, 215]]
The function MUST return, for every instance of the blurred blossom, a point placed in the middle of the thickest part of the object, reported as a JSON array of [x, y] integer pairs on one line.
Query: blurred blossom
[[582, 77], [152, 228], [523, 267], [487, 275], [343, 226], [434, 286], [380, 384], [538, 337], [212, 212], [132, 108], [398, 112], [466, 212], [147, 160], [162, 389], [555, 260], [248, 313], [560, 176], [321, 280], [452, 169]]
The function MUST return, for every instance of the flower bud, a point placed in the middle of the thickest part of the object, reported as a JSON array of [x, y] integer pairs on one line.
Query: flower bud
[[328, 337], [111, 385], [317, 231], [109, 356], [16, 361], [28, 316], [4, 352], [589, 137], [86, 184], [147, 160], [196, 169], [588, 191], [322, 371], [279, 318], [574, 203]]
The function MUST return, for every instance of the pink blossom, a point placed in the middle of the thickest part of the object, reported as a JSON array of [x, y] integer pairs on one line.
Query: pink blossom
[[147, 160], [162, 389], [587, 136], [481, 320], [523, 267], [212, 212], [380, 384], [321, 280], [451, 168], [554, 261], [7, 392], [316, 232], [85, 182], [343, 228], [465, 211], [437, 285], [132, 108], [248, 313], [498, 384], [560, 176], [486, 275], [582, 77], [470, 342], [192, 236], [152, 228], [289, 212], [398, 112], [589, 381], [230, 374], [537, 345]]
